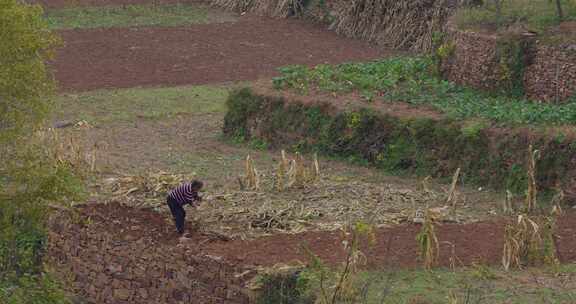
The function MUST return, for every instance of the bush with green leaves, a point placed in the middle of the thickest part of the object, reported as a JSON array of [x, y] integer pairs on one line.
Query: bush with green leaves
[[32, 290], [30, 175]]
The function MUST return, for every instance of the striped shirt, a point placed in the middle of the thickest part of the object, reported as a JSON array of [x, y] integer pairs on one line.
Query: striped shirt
[[184, 194]]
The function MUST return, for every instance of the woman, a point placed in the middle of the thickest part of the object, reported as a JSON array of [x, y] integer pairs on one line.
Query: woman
[[184, 194]]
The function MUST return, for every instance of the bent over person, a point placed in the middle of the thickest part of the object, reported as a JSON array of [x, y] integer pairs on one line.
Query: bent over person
[[182, 195]]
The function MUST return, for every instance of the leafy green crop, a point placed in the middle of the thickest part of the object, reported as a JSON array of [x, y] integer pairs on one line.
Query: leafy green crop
[[412, 80]]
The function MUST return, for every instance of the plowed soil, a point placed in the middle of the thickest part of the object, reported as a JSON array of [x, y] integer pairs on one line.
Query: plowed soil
[[394, 247], [250, 49]]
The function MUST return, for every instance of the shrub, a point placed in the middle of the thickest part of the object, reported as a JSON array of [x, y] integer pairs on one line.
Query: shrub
[[32, 175]]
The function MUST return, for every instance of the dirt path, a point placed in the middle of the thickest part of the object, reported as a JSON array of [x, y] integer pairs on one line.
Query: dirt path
[[214, 53]]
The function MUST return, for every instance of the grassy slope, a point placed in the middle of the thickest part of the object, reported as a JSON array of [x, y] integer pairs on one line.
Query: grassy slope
[[129, 15], [479, 284], [126, 105]]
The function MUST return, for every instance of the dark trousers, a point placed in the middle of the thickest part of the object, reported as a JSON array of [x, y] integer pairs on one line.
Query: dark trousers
[[178, 214]]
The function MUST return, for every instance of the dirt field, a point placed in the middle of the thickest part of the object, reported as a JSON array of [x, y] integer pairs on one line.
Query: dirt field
[[249, 49], [395, 247]]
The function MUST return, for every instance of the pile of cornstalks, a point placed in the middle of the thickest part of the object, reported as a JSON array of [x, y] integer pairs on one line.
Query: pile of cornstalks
[[290, 198], [402, 24], [143, 190], [325, 206], [272, 8], [399, 24], [69, 152]]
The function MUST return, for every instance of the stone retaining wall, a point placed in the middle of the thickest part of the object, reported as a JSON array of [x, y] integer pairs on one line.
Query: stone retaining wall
[[549, 73], [552, 74]]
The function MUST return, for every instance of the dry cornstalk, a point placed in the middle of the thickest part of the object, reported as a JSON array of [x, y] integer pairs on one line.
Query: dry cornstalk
[[453, 257], [556, 203], [511, 253], [529, 242], [451, 199], [281, 173], [508, 207], [428, 242], [252, 180], [557, 210], [315, 172], [299, 175], [532, 192], [426, 183], [299, 171]]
